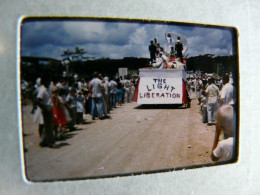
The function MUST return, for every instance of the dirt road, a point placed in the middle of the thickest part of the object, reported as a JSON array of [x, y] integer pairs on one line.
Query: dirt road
[[135, 139]]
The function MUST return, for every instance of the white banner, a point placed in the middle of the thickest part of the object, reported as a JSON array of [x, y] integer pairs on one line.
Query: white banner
[[160, 91]]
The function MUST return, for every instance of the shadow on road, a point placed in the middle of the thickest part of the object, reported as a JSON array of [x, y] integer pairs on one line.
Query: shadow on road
[[62, 144]]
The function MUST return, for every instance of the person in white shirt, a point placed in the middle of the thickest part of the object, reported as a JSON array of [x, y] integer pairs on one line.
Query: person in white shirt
[[113, 89], [224, 150], [38, 118], [170, 43], [127, 87], [212, 93], [71, 105], [227, 93], [44, 101], [107, 93], [97, 96]]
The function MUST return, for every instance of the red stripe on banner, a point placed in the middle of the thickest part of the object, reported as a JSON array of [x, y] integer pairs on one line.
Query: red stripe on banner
[[184, 92], [136, 91]]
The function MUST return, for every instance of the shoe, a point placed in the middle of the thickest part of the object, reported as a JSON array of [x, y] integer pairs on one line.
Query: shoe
[[209, 124], [42, 144], [53, 146], [107, 116]]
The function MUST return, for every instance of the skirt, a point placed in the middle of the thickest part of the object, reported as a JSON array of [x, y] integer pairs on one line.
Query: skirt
[[59, 116]]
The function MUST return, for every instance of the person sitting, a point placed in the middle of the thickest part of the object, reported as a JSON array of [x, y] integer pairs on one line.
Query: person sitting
[[224, 150]]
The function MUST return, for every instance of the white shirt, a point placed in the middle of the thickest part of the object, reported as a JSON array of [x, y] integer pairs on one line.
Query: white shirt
[[106, 86], [45, 96], [95, 85], [113, 85], [212, 93], [224, 149], [227, 93]]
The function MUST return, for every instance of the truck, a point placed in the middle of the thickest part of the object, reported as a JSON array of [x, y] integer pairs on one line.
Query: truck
[[163, 83]]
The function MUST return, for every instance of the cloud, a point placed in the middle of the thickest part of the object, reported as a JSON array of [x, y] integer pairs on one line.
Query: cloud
[[116, 39]]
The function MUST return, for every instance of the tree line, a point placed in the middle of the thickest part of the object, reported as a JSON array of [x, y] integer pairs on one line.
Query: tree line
[[54, 68]]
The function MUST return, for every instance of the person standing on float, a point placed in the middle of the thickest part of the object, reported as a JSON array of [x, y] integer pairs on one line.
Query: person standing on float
[[179, 48]]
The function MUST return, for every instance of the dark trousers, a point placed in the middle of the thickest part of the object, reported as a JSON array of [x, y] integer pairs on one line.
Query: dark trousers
[[47, 136]]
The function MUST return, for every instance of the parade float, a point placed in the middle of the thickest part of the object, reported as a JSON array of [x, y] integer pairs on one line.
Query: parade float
[[164, 82]]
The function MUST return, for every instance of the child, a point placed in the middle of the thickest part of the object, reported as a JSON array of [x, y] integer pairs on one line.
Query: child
[[62, 98], [71, 105], [204, 106], [80, 101], [223, 150], [58, 114]]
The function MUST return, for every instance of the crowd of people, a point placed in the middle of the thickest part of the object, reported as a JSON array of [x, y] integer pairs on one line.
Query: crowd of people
[[217, 98], [59, 105]]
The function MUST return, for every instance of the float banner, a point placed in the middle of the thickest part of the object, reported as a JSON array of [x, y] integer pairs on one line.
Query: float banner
[[160, 91]]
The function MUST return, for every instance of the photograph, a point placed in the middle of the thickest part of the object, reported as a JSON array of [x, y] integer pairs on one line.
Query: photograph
[[104, 97]]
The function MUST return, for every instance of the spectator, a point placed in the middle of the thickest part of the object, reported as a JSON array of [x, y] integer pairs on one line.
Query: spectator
[[212, 92], [97, 96], [127, 87], [107, 93], [204, 106], [58, 114], [80, 102], [113, 91], [224, 150], [120, 94], [227, 93], [38, 118], [44, 101], [71, 105]]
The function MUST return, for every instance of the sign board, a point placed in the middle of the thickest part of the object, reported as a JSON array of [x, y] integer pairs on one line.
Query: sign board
[[123, 71], [154, 90]]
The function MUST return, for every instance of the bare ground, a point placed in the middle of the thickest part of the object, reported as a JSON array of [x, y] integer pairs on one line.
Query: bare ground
[[135, 139]]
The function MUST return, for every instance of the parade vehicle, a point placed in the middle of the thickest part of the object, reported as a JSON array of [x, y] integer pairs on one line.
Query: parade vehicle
[[164, 82]]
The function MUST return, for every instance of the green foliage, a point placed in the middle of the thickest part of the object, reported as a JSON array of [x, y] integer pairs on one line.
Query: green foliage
[[208, 63]]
